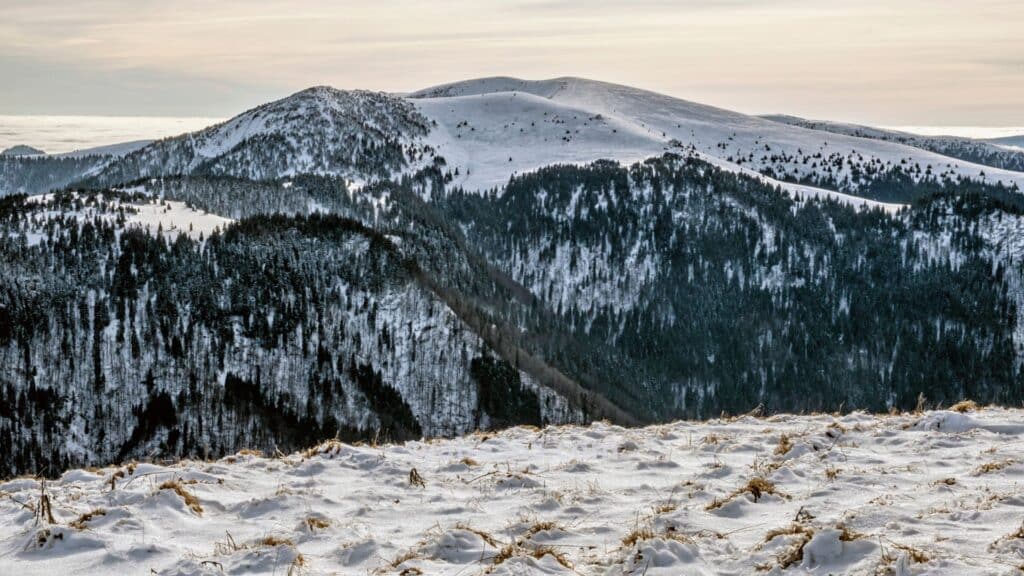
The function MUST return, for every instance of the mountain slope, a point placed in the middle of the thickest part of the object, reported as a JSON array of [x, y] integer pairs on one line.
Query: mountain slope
[[790, 153], [117, 342], [355, 264], [695, 291], [22, 150], [967, 149], [356, 134]]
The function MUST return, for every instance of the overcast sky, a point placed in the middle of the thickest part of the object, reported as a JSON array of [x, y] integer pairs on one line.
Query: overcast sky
[[949, 62]]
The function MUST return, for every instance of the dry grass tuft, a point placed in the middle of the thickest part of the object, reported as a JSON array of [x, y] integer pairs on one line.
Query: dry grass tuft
[[416, 480], [946, 482], [274, 541], [666, 508], [964, 406], [542, 551], [637, 535], [711, 439], [81, 523], [915, 555], [250, 452], [190, 499], [228, 546], [995, 466], [831, 472], [795, 553], [542, 526], [757, 487], [403, 558], [44, 511], [785, 445], [314, 523], [646, 533], [847, 534], [512, 550], [486, 537], [328, 447], [297, 565], [469, 462], [791, 530]]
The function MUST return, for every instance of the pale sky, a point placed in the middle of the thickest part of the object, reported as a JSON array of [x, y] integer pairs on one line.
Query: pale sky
[[948, 62]]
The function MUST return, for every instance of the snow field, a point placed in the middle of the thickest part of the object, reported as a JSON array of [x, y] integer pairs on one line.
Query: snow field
[[932, 493], [492, 128]]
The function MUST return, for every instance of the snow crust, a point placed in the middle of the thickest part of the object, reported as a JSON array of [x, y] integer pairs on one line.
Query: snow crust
[[932, 493]]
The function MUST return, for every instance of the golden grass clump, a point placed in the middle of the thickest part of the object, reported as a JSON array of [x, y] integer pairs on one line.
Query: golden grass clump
[[512, 550], [785, 445], [274, 541], [416, 480], [328, 447], [915, 555], [82, 521], [757, 487], [847, 534], [666, 508], [190, 499], [640, 534], [1019, 534], [831, 472], [637, 535], [541, 526], [542, 551], [994, 466], [486, 537], [314, 523], [794, 553], [964, 406]]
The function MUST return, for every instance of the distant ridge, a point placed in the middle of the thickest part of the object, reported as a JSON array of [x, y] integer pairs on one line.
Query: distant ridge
[[22, 150]]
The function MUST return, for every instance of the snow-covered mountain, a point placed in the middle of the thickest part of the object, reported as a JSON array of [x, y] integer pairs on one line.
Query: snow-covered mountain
[[490, 129], [488, 253], [532, 123], [356, 134]]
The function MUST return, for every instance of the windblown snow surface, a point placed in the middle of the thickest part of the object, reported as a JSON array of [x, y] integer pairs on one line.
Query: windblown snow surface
[[932, 493]]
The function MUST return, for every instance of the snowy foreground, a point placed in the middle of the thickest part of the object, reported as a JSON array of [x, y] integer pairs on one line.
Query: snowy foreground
[[933, 493]]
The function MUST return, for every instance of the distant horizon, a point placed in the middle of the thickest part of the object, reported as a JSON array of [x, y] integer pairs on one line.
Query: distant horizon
[[63, 133], [872, 62]]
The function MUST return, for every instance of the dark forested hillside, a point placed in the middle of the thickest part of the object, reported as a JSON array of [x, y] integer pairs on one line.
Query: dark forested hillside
[[716, 292], [115, 343], [404, 307], [38, 175]]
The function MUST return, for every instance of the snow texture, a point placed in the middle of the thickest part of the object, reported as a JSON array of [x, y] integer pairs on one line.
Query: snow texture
[[930, 493]]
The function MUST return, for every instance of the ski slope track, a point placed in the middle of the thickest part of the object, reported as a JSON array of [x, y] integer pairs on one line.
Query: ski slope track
[[929, 493]]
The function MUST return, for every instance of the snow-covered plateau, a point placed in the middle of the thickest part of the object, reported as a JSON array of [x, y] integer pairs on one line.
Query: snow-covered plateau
[[926, 493]]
